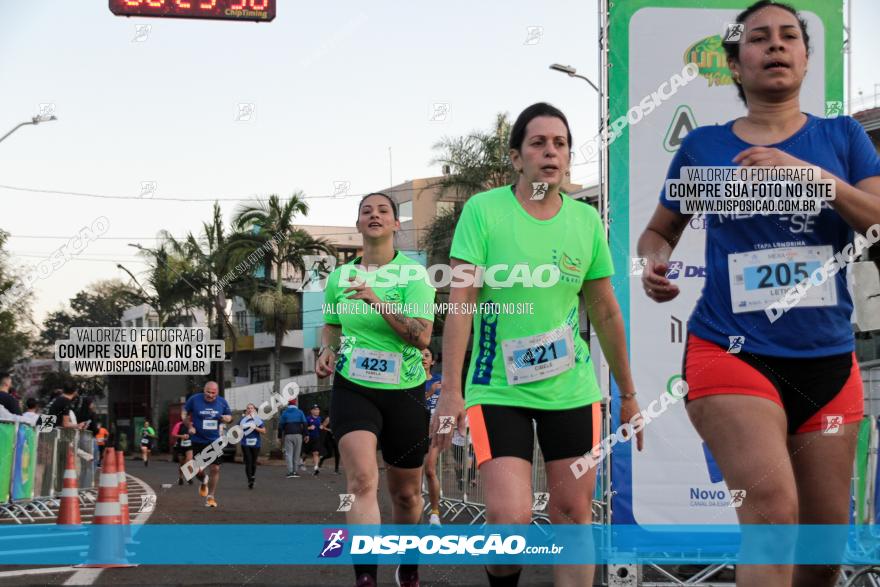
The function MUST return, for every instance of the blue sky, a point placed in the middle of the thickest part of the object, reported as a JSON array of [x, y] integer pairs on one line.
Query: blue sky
[[333, 86]]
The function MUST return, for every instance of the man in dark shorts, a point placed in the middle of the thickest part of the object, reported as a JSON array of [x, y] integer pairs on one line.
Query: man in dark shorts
[[206, 411]]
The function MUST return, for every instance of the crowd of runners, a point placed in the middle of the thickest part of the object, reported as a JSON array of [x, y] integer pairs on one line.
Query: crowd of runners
[[531, 375]]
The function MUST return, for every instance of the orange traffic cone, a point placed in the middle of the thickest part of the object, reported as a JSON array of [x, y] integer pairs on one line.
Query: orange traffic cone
[[123, 488], [69, 512], [123, 494], [107, 540]]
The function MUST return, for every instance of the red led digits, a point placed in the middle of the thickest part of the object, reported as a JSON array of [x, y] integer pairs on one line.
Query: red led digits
[[254, 10]]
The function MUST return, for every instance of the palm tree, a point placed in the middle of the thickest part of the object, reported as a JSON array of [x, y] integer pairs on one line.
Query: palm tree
[[267, 228], [167, 293], [211, 275], [477, 162]]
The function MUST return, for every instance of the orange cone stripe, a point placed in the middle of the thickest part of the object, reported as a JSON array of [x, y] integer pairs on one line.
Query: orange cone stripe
[[68, 513]]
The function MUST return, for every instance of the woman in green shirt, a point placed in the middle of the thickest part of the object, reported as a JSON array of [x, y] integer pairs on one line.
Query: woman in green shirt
[[535, 249], [148, 440], [378, 315]]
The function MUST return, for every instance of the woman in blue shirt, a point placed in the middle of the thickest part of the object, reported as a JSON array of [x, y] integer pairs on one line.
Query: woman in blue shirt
[[773, 384], [251, 442]]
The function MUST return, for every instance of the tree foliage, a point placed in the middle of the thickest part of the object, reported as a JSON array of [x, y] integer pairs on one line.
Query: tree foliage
[[15, 320], [477, 162]]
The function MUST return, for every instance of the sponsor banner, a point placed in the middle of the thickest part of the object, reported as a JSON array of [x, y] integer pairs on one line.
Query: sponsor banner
[[159, 544], [7, 454], [25, 467], [675, 480]]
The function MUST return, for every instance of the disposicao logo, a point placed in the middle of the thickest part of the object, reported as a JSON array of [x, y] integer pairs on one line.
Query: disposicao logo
[[334, 539], [677, 270], [708, 55]]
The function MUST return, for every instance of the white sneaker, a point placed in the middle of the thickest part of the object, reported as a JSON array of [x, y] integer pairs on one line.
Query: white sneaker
[[434, 520]]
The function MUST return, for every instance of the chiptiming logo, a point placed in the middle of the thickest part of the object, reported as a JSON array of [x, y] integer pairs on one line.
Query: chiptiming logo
[[334, 541]]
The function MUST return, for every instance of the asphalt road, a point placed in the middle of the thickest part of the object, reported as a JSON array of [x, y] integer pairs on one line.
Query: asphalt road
[[274, 500]]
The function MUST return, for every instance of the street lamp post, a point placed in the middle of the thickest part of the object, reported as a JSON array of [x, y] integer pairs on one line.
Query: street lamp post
[[35, 120], [572, 72]]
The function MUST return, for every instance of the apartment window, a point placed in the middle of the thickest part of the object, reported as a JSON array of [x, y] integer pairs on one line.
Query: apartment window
[[260, 373], [139, 322], [444, 208], [345, 255], [241, 323], [294, 369], [406, 211], [258, 325]]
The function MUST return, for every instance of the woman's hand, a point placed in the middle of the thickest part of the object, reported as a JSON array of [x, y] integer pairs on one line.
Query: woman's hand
[[630, 413], [326, 363], [657, 286], [768, 157], [363, 292], [450, 404]]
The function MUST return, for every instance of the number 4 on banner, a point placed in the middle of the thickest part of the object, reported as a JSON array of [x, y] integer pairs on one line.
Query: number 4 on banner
[[683, 122]]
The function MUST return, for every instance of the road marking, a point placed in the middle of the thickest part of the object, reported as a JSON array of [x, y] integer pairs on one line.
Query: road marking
[[89, 576], [83, 577], [45, 571]]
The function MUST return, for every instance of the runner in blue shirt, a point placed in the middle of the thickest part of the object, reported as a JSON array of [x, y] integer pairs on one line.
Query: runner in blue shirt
[[250, 442], [774, 388], [207, 411], [313, 436]]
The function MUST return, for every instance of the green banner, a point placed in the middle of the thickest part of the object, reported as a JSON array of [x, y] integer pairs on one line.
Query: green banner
[[25, 467], [7, 452]]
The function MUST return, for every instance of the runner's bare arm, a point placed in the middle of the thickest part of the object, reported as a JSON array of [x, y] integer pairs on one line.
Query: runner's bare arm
[[456, 332], [415, 331], [331, 337], [662, 233], [604, 313], [655, 246]]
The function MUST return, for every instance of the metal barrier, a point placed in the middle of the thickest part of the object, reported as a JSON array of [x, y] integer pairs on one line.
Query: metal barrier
[[48, 473]]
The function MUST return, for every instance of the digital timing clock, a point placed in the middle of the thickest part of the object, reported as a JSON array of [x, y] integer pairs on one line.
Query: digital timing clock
[[255, 10]]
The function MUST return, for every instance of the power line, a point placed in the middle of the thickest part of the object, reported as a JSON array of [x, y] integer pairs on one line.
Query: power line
[[184, 199], [352, 232]]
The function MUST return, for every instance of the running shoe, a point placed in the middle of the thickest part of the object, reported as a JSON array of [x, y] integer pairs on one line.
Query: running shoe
[[180, 480], [251, 484], [292, 475], [365, 580], [408, 579], [295, 474], [203, 488], [211, 502], [190, 482], [434, 520], [316, 472]]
